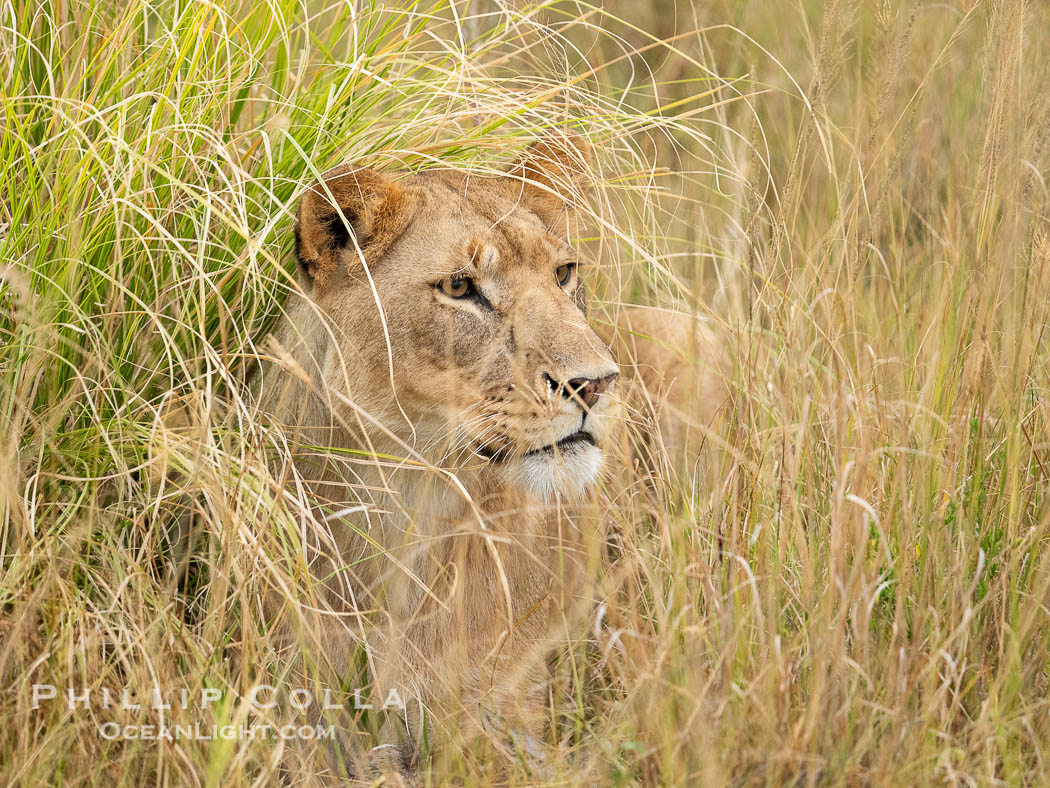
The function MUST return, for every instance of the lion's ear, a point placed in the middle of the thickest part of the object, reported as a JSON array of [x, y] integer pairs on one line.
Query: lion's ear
[[348, 203], [554, 174]]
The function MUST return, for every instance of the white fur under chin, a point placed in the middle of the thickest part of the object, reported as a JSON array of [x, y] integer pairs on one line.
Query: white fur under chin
[[569, 473]]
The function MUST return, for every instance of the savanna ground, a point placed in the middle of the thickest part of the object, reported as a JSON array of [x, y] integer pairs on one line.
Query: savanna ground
[[852, 588]]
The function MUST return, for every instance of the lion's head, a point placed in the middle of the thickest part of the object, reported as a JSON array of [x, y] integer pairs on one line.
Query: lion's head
[[458, 314]]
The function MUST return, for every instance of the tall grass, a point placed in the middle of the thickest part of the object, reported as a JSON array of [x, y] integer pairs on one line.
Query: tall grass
[[851, 587]]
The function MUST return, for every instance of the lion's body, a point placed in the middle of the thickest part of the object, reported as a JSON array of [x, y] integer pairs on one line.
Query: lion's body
[[448, 516]]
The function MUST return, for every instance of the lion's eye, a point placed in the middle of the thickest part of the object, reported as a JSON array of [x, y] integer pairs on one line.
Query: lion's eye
[[563, 273], [457, 287]]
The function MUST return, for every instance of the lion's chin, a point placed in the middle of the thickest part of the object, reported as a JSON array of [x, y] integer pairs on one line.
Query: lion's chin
[[549, 474]]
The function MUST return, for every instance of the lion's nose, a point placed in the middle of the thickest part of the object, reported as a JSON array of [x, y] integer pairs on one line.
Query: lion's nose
[[585, 390]]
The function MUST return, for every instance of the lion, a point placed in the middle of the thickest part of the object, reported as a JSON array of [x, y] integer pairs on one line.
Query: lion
[[441, 341]]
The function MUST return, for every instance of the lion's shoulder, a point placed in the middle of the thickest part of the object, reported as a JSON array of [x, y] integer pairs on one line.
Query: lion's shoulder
[[675, 368]]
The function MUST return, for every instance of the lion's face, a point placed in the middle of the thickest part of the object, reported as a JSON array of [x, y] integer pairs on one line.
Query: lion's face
[[466, 332]]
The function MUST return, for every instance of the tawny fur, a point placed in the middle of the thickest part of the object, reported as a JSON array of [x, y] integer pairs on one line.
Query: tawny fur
[[462, 559]]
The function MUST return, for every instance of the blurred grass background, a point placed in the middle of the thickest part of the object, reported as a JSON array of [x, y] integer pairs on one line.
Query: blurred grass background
[[851, 589]]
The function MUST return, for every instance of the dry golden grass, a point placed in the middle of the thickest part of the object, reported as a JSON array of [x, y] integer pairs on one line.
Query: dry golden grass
[[852, 588]]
